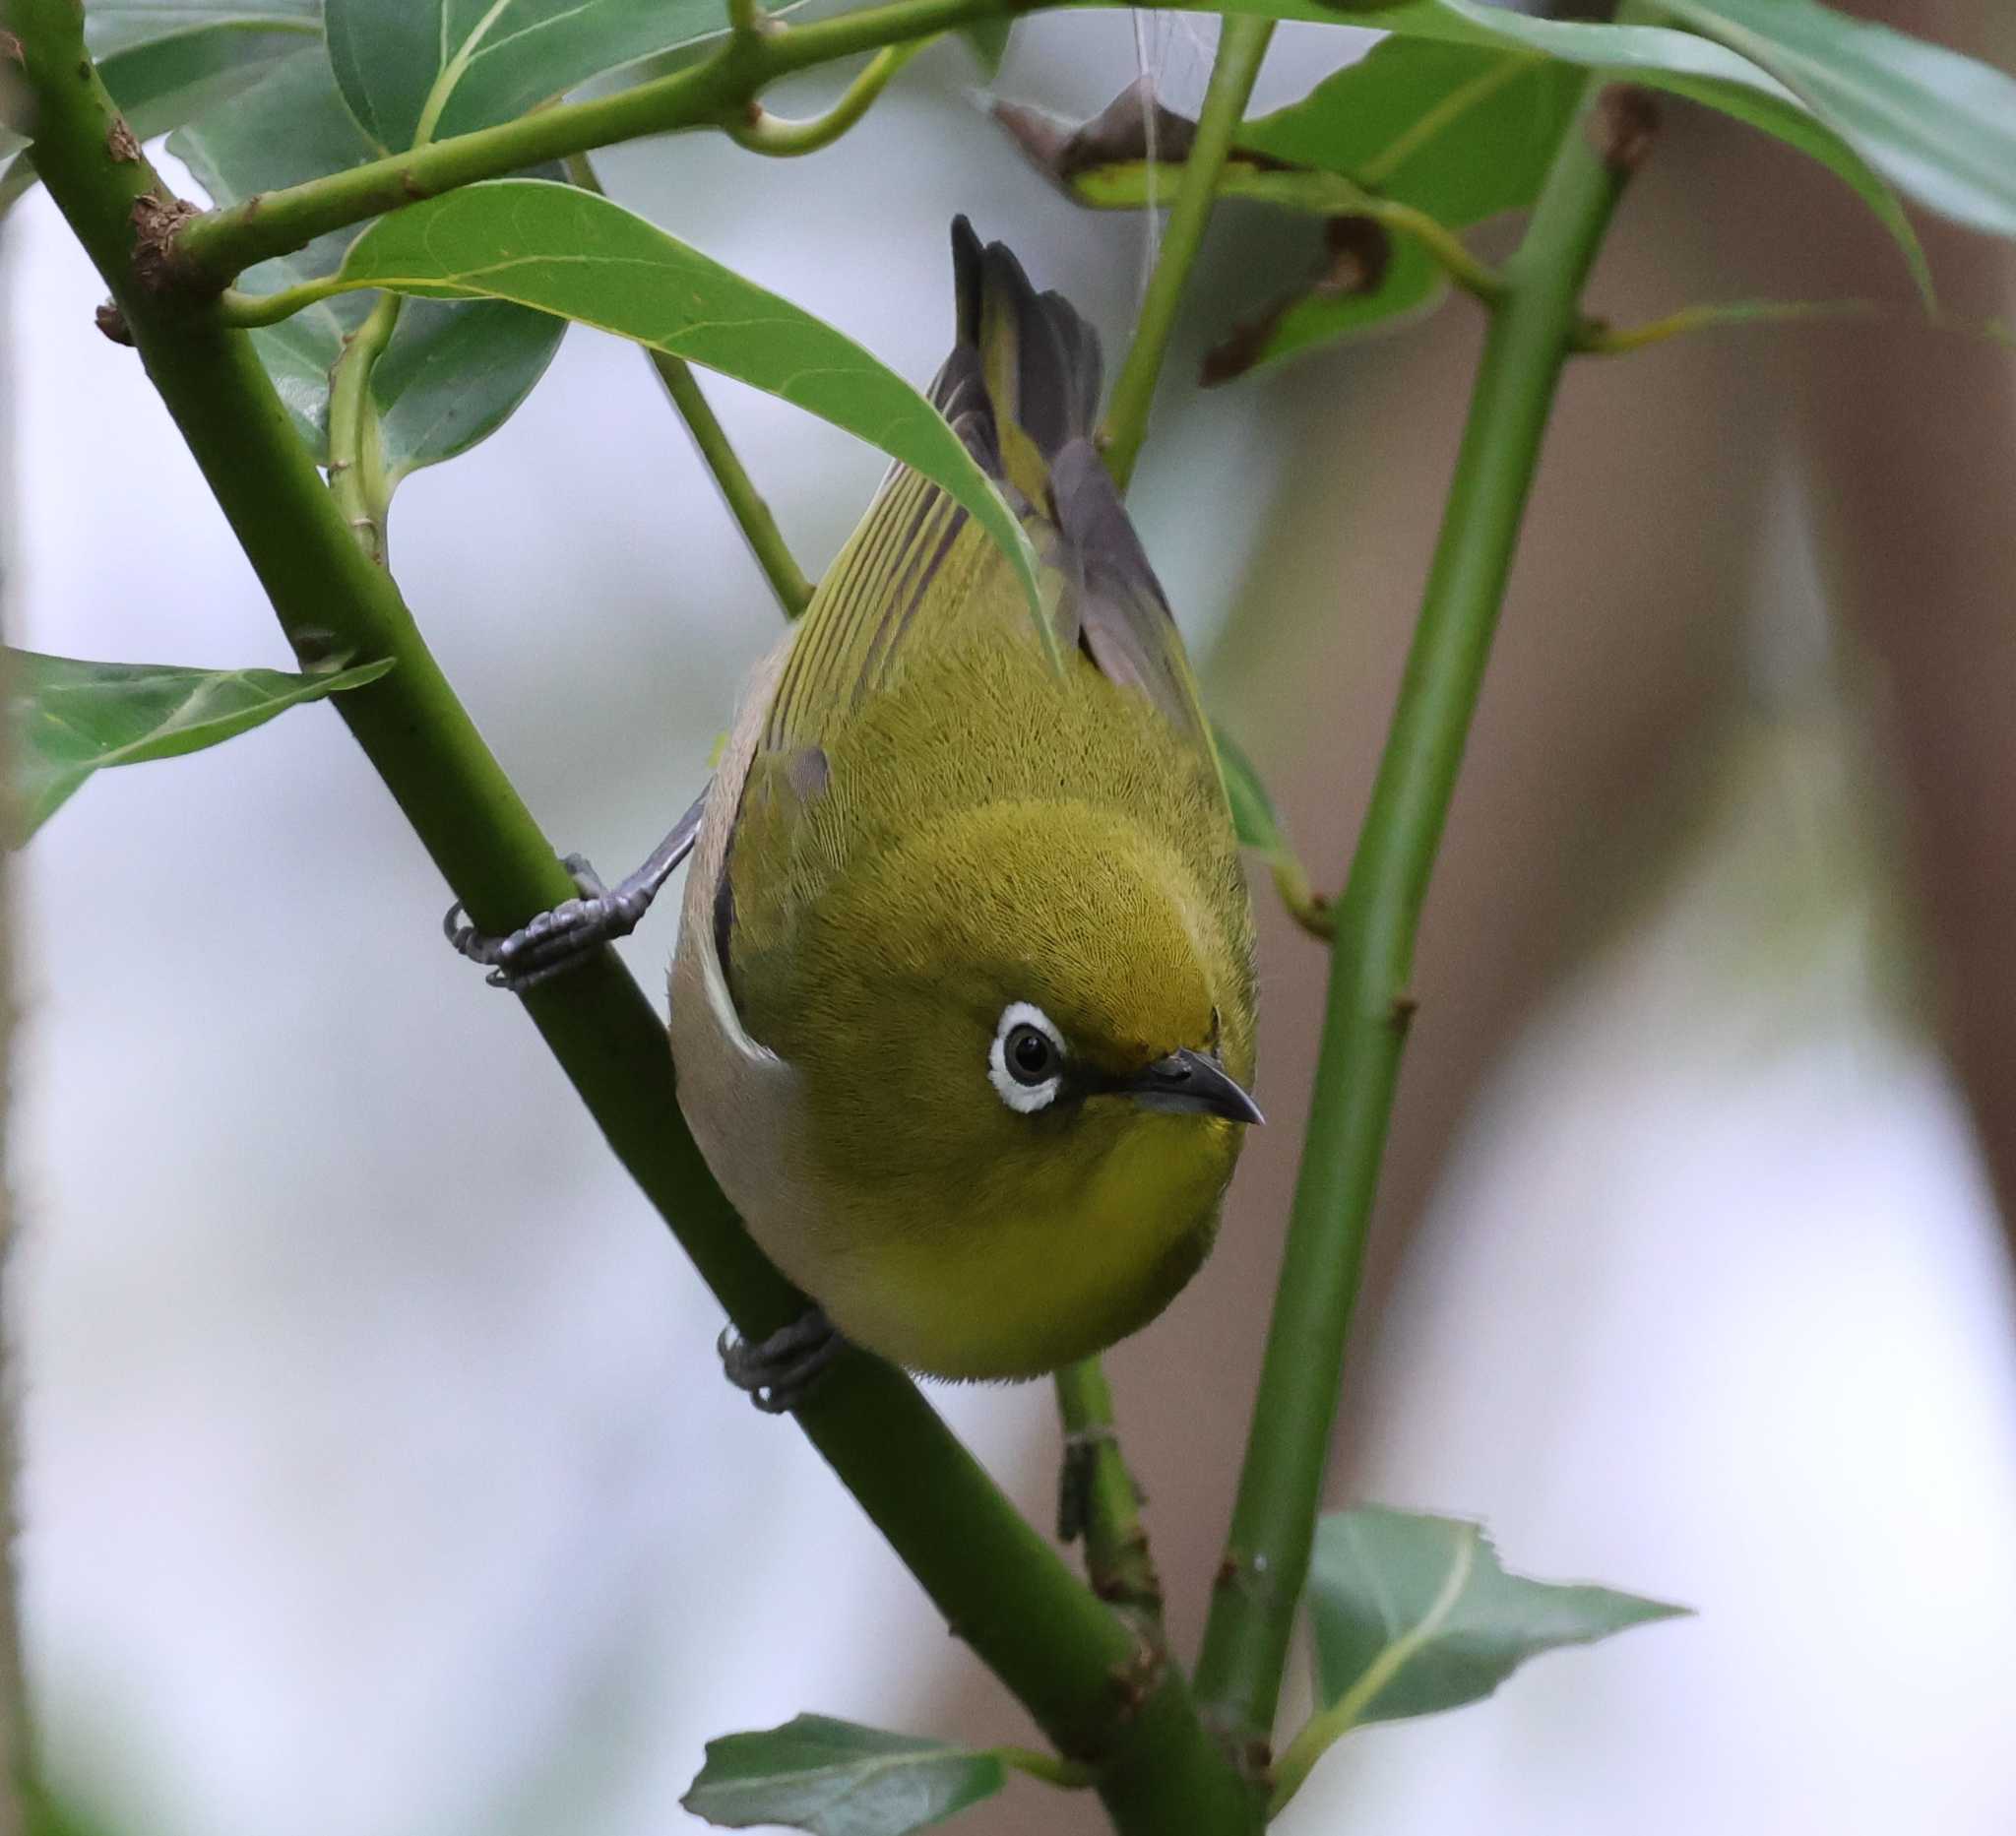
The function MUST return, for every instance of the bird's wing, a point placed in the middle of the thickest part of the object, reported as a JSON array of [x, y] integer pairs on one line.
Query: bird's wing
[[1021, 388]]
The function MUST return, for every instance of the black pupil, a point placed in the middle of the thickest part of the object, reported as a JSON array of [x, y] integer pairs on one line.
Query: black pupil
[[1031, 1056]]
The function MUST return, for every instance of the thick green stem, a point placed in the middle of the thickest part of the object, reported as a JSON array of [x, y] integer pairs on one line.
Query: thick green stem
[[1080, 1671], [745, 503], [1101, 1501], [1242, 47], [1365, 1024], [784, 138]]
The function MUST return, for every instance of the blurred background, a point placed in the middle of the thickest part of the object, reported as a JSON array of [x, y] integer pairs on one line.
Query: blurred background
[[380, 1478]]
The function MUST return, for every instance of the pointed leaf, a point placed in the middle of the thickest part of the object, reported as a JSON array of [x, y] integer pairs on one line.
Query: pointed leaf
[[71, 718], [1940, 125], [837, 1777], [583, 257], [1415, 1614], [466, 367], [448, 66]]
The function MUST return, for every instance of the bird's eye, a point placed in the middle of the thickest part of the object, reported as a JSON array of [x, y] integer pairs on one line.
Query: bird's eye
[[1026, 1061], [1030, 1057]]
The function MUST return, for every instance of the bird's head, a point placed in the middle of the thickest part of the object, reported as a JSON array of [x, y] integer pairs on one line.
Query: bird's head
[[1021, 1003]]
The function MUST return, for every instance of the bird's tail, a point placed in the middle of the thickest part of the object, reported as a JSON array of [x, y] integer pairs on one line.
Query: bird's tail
[[1023, 381]]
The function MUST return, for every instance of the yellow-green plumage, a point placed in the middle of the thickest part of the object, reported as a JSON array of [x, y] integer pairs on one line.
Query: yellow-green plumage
[[921, 823]]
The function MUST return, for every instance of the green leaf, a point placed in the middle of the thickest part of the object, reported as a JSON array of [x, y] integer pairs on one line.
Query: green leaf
[[71, 718], [165, 63], [837, 1777], [581, 257], [426, 69], [112, 26], [1460, 131], [1680, 63], [1413, 1615], [1937, 124], [1254, 820], [451, 376], [1260, 829]]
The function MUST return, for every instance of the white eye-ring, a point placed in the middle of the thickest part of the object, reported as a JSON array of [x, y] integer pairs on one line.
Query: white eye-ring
[[1026, 1062]]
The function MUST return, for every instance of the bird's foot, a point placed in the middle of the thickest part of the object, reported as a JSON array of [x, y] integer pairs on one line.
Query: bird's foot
[[568, 935], [778, 1371], [557, 940]]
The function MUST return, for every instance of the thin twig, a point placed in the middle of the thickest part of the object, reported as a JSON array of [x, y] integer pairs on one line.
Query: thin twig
[[745, 503], [1099, 1499]]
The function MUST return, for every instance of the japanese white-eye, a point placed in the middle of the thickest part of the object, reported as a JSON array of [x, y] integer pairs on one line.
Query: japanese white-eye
[[963, 1003]]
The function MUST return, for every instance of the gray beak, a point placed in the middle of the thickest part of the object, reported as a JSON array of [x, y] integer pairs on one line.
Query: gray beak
[[1193, 1081]]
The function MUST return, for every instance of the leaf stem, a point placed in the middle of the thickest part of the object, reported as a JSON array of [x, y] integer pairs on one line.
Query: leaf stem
[[1369, 1007], [745, 503], [248, 311], [1081, 1672], [356, 453], [1599, 339], [1099, 1499], [784, 138], [1066, 1775], [1242, 47]]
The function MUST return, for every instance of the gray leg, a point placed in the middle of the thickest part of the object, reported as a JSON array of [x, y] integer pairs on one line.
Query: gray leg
[[557, 940], [779, 1370]]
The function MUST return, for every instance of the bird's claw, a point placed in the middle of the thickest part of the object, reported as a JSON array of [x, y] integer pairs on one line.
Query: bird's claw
[[553, 942], [778, 1371]]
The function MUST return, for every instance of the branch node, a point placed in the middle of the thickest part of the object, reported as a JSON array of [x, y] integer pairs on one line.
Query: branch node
[[1400, 1012], [1137, 1676], [112, 322], [120, 142], [156, 217], [1622, 127], [10, 49]]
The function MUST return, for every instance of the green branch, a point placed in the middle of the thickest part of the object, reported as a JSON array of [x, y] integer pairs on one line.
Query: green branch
[[786, 139], [745, 503], [210, 250], [1532, 327], [1240, 49], [1074, 1664]]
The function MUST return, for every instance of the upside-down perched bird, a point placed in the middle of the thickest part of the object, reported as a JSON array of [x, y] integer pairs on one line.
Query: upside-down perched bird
[[963, 1005]]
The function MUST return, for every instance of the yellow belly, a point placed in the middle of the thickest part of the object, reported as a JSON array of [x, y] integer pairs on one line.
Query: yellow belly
[[1025, 1280]]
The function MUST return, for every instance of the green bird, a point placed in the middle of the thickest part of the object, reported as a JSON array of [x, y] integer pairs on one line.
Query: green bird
[[963, 1005]]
